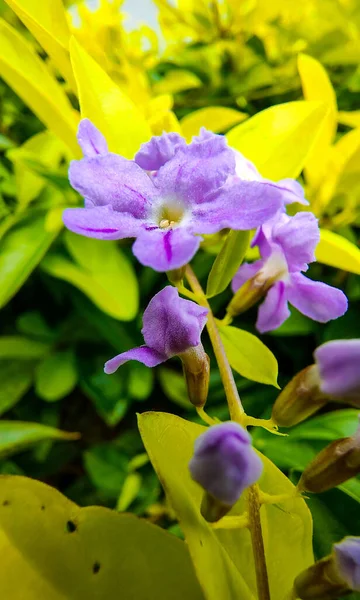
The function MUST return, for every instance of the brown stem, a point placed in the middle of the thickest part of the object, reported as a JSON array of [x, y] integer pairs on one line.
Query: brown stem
[[257, 541], [235, 407]]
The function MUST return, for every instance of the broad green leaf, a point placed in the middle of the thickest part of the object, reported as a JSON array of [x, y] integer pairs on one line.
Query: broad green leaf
[[44, 146], [51, 548], [30, 78], [56, 376], [103, 273], [248, 355], [47, 22], [102, 101], [330, 426], [16, 436], [21, 250], [227, 262], [278, 140], [107, 467], [336, 251], [216, 118], [317, 87], [20, 347], [16, 378], [349, 118], [174, 387], [223, 558], [141, 380]]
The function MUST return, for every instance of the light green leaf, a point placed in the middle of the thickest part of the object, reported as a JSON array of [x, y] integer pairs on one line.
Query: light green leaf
[[216, 118], [227, 262], [56, 376], [20, 347], [16, 436], [174, 387], [248, 355], [20, 252], [102, 101], [129, 491], [223, 559], [278, 140], [31, 79], [53, 549], [336, 251], [16, 378], [103, 273]]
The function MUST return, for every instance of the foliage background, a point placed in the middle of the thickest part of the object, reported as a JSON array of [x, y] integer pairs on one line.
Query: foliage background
[[68, 304]]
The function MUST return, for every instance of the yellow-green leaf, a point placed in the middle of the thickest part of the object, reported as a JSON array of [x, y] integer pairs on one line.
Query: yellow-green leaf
[[227, 262], [16, 378], [349, 118], [101, 271], [53, 549], [248, 355], [278, 140], [47, 22], [317, 87], [216, 118], [30, 78], [223, 559], [15, 436], [176, 81], [336, 251], [102, 101], [56, 376], [21, 250]]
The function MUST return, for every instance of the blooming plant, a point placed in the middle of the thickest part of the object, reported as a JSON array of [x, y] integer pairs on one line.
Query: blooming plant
[[132, 202]]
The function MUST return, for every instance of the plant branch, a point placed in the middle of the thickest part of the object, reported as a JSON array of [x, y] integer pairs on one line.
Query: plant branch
[[262, 581]]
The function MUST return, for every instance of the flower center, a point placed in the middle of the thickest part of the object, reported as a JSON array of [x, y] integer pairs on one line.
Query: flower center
[[274, 269], [169, 215]]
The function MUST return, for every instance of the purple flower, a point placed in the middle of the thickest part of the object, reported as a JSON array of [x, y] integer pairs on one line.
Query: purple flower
[[338, 364], [347, 558], [224, 462], [171, 326], [287, 245], [170, 194]]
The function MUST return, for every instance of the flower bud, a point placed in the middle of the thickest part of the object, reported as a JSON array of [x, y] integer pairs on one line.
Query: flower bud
[[224, 464], [333, 576], [338, 364], [196, 367], [299, 399], [337, 463], [246, 296]]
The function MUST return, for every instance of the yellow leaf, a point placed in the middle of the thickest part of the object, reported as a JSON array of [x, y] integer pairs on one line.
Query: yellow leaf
[[102, 101], [317, 87], [216, 118], [177, 80], [29, 77], [350, 118], [223, 559], [278, 140], [336, 251], [47, 22]]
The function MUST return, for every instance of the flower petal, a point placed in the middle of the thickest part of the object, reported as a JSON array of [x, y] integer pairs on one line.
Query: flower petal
[[292, 191], [274, 310], [91, 140], [246, 272], [197, 169], [112, 179], [172, 324], [315, 299], [143, 354], [101, 222], [164, 250], [238, 205], [298, 237], [338, 363], [155, 153]]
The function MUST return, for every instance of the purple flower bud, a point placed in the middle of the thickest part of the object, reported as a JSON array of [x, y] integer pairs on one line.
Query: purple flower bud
[[338, 365], [225, 463], [347, 558]]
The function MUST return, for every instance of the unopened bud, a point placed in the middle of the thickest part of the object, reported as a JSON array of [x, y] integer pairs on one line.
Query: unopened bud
[[301, 398], [249, 294], [176, 275], [196, 367], [337, 463], [224, 464]]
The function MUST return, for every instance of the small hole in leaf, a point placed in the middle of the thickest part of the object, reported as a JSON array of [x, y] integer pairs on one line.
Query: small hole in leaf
[[42, 507], [96, 567], [6, 503], [71, 526], [201, 543]]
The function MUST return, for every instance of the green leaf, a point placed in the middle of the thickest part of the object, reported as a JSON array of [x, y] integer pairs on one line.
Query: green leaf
[[103, 273], [328, 427], [51, 548], [129, 491], [216, 118], [16, 379], [223, 559], [16, 436], [21, 250], [174, 387], [336, 251], [278, 140], [248, 355], [140, 382], [56, 376], [227, 262], [17, 346]]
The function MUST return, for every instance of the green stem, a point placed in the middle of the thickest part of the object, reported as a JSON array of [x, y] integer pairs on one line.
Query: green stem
[[257, 541]]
